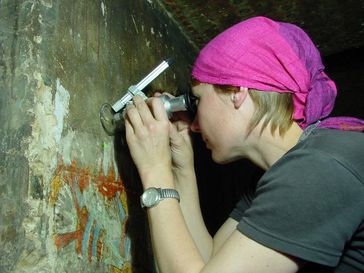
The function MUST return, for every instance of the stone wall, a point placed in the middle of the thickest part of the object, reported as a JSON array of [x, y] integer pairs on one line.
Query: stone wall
[[68, 191]]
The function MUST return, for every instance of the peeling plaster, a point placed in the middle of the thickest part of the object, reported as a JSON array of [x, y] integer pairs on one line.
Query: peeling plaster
[[42, 153], [48, 144]]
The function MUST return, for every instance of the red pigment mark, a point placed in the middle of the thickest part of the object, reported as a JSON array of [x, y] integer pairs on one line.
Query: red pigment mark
[[73, 177], [62, 240], [100, 245], [84, 180], [107, 185], [91, 241]]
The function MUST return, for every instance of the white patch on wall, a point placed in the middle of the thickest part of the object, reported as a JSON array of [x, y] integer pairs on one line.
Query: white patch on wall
[[37, 39], [135, 25], [61, 104], [108, 159], [147, 43], [41, 153], [67, 147], [103, 8], [104, 11], [47, 3]]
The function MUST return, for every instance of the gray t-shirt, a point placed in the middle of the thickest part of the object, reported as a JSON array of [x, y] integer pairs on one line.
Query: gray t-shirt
[[310, 203]]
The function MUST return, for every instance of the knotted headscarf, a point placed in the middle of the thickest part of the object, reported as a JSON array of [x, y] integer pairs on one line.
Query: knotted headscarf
[[266, 55]]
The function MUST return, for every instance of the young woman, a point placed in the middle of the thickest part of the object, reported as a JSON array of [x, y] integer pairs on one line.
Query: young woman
[[262, 95]]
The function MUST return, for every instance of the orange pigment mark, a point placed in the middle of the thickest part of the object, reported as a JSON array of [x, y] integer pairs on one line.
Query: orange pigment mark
[[90, 241], [63, 240], [84, 180], [100, 245], [107, 185]]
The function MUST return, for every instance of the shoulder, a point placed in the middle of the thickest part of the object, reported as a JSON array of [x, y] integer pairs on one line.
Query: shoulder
[[324, 152], [310, 188]]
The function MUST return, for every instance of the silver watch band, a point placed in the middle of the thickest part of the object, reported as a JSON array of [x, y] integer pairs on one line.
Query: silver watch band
[[169, 193]]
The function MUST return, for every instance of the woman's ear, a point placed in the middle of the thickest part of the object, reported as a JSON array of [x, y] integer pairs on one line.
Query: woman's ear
[[239, 97]]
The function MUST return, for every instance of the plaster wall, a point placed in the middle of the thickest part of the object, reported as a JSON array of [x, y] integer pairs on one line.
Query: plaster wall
[[68, 191]]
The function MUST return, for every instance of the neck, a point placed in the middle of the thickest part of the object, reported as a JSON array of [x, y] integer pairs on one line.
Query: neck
[[268, 149]]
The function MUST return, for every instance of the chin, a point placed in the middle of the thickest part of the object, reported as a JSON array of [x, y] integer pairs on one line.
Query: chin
[[220, 159]]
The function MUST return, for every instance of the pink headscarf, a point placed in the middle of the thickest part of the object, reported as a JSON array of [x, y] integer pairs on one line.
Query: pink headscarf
[[262, 54]]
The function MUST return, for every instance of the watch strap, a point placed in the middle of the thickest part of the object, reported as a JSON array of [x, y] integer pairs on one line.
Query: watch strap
[[169, 193]]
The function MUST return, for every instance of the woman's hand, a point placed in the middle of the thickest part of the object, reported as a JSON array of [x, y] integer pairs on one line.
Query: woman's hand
[[147, 135], [180, 139], [181, 145]]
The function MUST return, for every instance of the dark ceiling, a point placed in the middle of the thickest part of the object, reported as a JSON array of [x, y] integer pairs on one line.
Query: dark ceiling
[[334, 25]]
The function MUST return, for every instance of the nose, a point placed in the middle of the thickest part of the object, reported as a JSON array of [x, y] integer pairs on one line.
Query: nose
[[195, 127]]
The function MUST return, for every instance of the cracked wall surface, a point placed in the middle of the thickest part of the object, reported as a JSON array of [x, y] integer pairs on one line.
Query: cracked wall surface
[[68, 191]]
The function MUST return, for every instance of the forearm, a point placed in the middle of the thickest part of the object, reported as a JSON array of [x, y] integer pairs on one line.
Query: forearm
[[174, 248], [173, 245], [190, 207]]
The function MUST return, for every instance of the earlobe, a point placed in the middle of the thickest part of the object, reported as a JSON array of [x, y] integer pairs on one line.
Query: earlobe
[[239, 97]]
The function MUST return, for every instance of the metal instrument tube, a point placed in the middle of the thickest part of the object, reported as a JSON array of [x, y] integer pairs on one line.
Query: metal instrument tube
[[136, 89]]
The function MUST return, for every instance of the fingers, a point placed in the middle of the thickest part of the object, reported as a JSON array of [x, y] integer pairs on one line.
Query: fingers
[[129, 129], [168, 95], [132, 117], [143, 109], [159, 111], [143, 112], [158, 94], [181, 125]]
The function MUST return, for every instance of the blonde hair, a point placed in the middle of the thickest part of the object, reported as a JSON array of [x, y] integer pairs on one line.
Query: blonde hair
[[271, 107], [274, 107]]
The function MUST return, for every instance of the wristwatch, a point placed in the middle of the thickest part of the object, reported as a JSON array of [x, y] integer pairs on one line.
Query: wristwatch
[[152, 196]]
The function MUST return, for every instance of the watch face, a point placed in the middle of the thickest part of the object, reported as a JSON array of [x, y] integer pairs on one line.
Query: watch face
[[150, 197]]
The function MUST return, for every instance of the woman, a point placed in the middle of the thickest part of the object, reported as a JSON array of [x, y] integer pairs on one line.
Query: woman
[[262, 95]]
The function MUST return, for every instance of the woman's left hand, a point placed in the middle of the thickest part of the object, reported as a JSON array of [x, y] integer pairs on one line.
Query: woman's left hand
[[147, 134]]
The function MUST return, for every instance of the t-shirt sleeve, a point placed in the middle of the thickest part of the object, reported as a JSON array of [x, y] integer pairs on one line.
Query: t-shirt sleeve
[[307, 205], [242, 205]]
